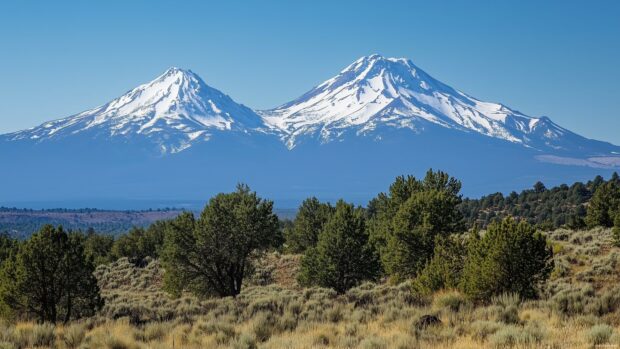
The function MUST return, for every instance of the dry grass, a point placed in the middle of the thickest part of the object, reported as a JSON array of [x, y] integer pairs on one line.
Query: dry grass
[[580, 309]]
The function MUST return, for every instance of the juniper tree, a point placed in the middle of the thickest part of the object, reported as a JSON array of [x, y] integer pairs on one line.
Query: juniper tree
[[304, 233], [50, 278], [510, 257], [604, 204], [8, 246], [140, 243], [342, 257], [406, 221], [212, 255], [445, 268]]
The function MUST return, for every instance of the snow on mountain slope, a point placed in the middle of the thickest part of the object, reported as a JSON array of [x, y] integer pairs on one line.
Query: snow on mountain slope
[[371, 97], [376, 91], [174, 111]]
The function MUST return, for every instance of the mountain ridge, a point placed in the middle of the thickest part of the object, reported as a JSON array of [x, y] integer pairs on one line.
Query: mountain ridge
[[175, 110], [375, 90], [176, 138], [370, 97]]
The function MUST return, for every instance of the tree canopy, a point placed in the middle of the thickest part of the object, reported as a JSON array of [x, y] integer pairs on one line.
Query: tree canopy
[[211, 255], [304, 233], [50, 278], [405, 222], [342, 257], [510, 257]]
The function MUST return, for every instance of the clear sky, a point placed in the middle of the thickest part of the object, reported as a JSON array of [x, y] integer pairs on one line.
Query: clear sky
[[554, 58]]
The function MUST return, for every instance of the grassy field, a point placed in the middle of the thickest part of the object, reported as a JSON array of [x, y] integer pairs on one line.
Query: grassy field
[[579, 308]]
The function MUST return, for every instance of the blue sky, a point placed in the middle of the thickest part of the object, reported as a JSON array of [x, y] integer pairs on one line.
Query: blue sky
[[554, 58]]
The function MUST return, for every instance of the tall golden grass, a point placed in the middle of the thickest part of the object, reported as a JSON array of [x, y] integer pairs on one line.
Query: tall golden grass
[[579, 308]]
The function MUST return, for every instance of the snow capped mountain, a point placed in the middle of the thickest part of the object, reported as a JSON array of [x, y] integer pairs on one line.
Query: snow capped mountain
[[376, 92], [174, 111], [371, 98], [176, 137]]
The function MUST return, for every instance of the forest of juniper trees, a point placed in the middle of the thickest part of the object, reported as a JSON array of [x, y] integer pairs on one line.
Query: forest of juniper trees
[[419, 230]]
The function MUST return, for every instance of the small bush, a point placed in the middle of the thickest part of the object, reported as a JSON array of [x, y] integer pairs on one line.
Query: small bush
[[43, 335], [373, 343], [288, 322], [508, 336], [245, 341], [452, 300], [600, 334], [74, 335], [335, 314], [263, 327], [481, 330], [322, 339], [112, 342], [153, 332], [509, 315], [511, 336], [506, 300], [508, 305], [405, 341]]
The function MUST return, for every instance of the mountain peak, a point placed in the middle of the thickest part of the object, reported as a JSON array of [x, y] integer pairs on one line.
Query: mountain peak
[[377, 93], [179, 72], [174, 110]]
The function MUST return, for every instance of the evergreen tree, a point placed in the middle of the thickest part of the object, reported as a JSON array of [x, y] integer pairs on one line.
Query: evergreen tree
[[406, 222], [98, 247], [140, 243], [8, 246], [304, 233], [211, 256], [539, 187], [604, 205], [510, 257], [445, 268], [50, 278], [549, 208], [342, 258]]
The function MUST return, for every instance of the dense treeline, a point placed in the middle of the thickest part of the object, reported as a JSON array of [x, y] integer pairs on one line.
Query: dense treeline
[[415, 231], [547, 208], [418, 230]]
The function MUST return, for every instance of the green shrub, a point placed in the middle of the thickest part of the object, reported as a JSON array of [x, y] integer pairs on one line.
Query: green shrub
[[452, 300], [600, 334], [74, 335], [510, 257], [154, 332], [245, 341], [43, 335], [263, 327], [373, 343], [481, 329], [321, 339], [515, 336]]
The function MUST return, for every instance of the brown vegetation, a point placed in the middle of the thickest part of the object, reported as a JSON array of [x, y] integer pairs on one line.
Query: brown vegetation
[[580, 308]]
